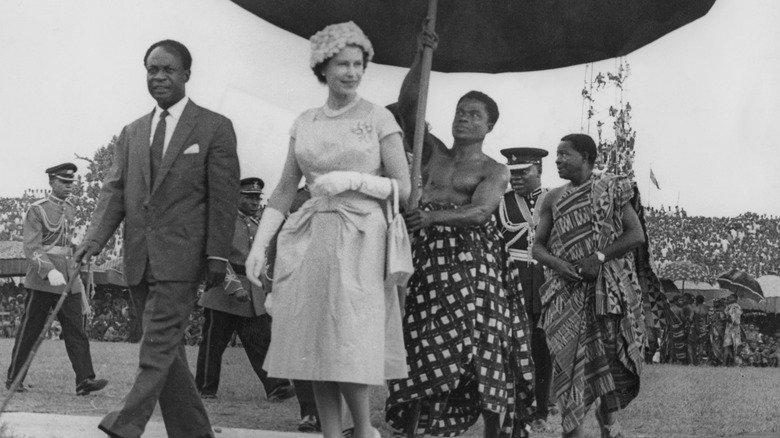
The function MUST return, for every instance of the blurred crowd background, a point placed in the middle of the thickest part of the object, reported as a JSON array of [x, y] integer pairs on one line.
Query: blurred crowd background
[[749, 242]]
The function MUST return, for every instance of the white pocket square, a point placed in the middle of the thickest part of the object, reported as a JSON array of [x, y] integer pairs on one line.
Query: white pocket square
[[194, 149]]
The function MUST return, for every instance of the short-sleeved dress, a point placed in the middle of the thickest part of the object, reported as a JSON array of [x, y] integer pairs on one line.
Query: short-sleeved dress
[[334, 320]]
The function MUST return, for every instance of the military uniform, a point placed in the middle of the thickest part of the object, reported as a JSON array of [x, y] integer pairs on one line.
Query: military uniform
[[517, 222], [226, 314], [517, 219], [48, 227]]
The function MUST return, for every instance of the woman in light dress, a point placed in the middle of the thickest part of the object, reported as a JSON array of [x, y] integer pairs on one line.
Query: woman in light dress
[[334, 321]]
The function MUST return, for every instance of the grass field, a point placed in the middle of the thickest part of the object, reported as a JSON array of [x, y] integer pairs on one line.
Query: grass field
[[675, 401]]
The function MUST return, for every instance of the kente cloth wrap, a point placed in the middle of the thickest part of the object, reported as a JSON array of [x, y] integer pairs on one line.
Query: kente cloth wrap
[[699, 328], [466, 334], [677, 341], [654, 300], [595, 329], [732, 335], [717, 332]]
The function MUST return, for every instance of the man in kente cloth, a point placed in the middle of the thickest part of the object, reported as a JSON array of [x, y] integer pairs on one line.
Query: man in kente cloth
[[465, 328], [592, 301]]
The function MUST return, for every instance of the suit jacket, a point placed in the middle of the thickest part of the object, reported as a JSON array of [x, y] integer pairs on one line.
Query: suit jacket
[[191, 210], [216, 298], [48, 227]]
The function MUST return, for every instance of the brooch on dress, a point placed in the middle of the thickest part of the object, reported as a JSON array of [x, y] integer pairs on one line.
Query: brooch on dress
[[363, 130]]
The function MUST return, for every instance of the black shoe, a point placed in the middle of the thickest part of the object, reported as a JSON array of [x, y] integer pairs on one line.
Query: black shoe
[[281, 393], [309, 423], [90, 385], [21, 387]]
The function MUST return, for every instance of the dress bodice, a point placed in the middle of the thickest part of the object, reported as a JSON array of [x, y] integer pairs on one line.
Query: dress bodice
[[347, 141]]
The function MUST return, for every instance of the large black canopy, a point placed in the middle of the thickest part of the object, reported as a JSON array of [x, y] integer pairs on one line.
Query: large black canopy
[[493, 36]]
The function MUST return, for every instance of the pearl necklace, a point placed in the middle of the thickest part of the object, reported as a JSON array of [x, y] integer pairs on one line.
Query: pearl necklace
[[337, 112]]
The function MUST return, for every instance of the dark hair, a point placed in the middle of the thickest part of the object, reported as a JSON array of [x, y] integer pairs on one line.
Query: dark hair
[[319, 69], [699, 299], [174, 47], [584, 144], [490, 105]]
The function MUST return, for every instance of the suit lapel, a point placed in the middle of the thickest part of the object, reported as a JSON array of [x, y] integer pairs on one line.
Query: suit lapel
[[142, 148], [188, 120]]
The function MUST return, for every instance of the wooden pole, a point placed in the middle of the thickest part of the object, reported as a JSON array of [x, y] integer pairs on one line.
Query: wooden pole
[[414, 197], [422, 102]]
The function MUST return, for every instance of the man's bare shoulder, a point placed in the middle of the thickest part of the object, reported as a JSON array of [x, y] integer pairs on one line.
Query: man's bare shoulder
[[494, 165], [556, 191], [552, 196]]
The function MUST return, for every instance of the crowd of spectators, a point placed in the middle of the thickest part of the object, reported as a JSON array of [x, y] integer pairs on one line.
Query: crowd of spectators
[[754, 338], [749, 242], [11, 307], [111, 319], [12, 211]]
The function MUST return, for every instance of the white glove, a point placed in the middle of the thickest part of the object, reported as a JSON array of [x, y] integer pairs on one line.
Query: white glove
[[55, 278], [255, 262], [340, 181]]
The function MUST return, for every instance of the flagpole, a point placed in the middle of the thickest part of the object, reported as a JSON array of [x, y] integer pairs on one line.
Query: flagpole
[[648, 185]]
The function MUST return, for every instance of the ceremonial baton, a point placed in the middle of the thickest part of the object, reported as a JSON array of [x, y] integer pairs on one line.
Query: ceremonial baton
[[49, 321]]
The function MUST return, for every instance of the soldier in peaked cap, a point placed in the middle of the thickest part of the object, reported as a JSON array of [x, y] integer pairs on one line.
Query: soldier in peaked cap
[[252, 186], [48, 227], [229, 308], [65, 172], [517, 218]]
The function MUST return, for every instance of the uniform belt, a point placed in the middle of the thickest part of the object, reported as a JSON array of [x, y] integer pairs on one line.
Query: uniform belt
[[521, 255], [239, 269]]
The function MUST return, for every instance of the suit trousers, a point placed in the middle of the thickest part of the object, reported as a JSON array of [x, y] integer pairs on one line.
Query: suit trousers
[[255, 335], [36, 309], [531, 279], [163, 374], [306, 401]]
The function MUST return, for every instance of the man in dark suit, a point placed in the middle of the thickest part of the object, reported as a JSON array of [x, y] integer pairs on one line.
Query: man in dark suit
[[48, 228], [237, 307], [174, 183]]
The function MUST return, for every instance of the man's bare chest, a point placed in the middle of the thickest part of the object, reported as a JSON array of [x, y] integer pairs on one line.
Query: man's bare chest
[[458, 176]]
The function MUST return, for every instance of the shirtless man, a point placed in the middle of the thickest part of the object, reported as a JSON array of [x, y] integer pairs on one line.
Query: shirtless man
[[464, 306]]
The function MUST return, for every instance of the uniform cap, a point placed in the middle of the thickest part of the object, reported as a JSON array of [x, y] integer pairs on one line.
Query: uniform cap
[[523, 158], [252, 185], [64, 171]]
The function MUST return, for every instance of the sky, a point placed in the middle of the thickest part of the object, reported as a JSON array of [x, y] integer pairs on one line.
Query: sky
[[705, 99]]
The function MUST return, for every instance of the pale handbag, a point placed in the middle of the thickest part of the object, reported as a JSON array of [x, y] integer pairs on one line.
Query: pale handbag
[[398, 261]]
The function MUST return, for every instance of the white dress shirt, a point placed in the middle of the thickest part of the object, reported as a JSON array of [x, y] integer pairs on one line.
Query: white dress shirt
[[174, 114]]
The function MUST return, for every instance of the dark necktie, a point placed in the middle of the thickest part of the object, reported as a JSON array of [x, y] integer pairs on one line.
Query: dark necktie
[[158, 141]]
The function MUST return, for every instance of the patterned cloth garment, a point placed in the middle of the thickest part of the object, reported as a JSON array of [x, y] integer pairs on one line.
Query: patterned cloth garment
[[595, 329], [466, 334]]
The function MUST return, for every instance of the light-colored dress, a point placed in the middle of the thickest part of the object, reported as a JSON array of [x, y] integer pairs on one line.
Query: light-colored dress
[[334, 320]]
